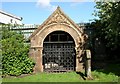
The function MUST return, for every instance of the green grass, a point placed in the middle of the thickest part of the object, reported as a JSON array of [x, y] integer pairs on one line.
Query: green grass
[[47, 77], [64, 77], [103, 77], [109, 74]]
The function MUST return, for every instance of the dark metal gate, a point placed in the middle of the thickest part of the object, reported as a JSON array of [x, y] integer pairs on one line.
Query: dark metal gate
[[59, 52], [59, 56]]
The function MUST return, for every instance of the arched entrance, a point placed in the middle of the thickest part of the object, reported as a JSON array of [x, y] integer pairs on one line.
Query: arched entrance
[[59, 52], [57, 38]]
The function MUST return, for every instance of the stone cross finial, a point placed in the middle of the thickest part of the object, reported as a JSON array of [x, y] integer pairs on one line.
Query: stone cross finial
[[58, 7]]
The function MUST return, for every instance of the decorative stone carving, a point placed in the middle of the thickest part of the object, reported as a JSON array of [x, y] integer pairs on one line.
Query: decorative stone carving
[[58, 18], [58, 21]]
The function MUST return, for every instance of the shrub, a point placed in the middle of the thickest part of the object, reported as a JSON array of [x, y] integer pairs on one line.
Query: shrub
[[15, 60]]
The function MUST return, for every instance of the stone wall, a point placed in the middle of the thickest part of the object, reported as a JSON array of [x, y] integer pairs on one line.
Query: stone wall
[[58, 21]]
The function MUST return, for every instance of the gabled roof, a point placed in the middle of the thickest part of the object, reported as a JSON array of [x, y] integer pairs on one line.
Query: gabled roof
[[10, 15], [58, 13]]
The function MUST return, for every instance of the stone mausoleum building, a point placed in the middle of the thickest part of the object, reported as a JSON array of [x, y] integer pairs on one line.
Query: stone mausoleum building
[[58, 44]]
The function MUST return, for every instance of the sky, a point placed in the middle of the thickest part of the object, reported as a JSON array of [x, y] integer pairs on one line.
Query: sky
[[37, 11]]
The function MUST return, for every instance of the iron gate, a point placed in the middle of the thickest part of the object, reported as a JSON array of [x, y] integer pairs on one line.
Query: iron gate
[[59, 56]]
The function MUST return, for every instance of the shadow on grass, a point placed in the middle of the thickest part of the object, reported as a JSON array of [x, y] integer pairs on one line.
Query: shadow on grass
[[110, 68], [82, 75]]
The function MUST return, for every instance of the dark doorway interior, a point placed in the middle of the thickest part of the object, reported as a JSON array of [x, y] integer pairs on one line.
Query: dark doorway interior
[[59, 52]]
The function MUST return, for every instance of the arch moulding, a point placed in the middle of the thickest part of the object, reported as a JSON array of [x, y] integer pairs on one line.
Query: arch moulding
[[58, 21]]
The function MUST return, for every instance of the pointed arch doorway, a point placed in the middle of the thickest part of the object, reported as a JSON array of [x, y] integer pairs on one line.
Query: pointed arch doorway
[[59, 52]]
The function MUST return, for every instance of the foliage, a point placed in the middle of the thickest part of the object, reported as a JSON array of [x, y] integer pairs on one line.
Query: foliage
[[108, 25], [15, 60], [111, 68]]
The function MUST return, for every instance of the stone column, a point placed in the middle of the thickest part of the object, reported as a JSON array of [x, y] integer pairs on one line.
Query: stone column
[[76, 68], [37, 57], [79, 64], [79, 60], [88, 64]]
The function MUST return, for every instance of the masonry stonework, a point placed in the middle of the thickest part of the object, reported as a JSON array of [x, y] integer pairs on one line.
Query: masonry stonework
[[58, 21]]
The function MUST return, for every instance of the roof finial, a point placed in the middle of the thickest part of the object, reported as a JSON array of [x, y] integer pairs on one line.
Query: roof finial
[[58, 7]]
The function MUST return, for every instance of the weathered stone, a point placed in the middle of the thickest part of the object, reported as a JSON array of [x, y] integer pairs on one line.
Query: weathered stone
[[88, 64], [58, 21]]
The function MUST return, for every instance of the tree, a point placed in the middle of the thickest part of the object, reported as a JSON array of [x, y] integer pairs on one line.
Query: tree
[[15, 60], [108, 25]]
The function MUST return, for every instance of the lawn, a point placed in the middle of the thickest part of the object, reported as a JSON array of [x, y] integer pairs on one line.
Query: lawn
[[98, 76], [63, 77]]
